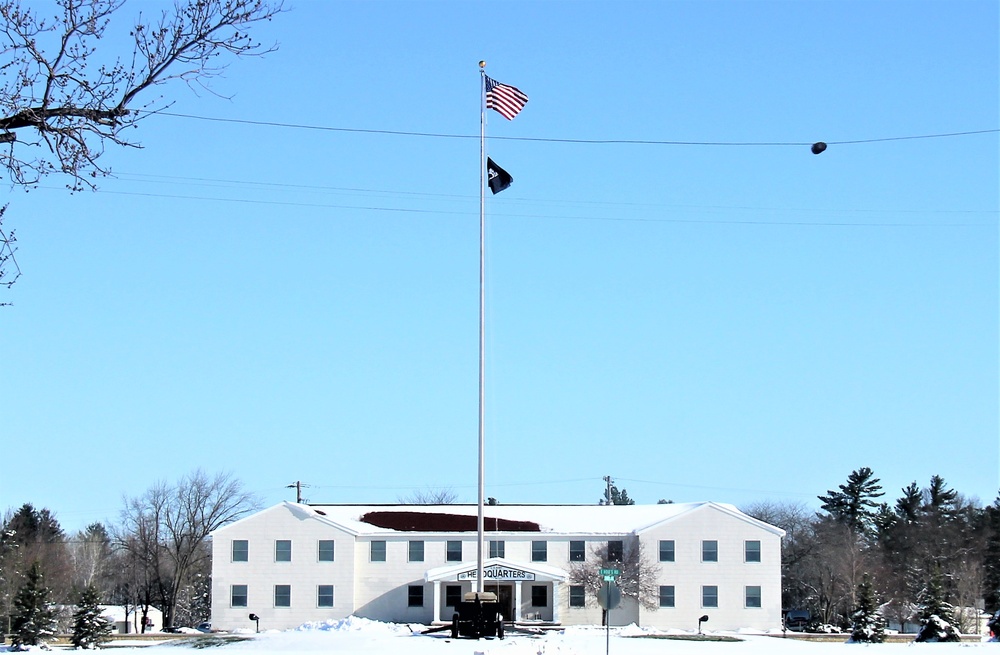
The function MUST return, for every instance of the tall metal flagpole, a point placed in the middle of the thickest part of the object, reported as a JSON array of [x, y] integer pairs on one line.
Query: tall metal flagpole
[[481, 522]]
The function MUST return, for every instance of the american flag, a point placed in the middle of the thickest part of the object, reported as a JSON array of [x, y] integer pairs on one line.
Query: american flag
[[504, 98]]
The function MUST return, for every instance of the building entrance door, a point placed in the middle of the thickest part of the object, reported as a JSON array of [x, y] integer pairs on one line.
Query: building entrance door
[[505, 598]]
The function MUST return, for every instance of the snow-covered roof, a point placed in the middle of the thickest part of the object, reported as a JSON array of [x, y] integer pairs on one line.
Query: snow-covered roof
[[562, 519]]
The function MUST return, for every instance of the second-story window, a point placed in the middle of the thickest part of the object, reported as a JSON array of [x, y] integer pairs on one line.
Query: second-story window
[[454, 551], [283, 550]]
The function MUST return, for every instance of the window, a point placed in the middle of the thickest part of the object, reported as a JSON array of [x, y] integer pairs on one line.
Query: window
[[238, 595], [577, 596], [415, 596], [752, 551], [539, 551], [539, 596], [324, 595], [326, 550], [416, 551], [282, 595], [666, 596], [710, 596], [667, 551], [710, 551], [283, 550], [454, 551], [616, 550], [378, 551], [577, 551], [753, 597], [241, 550], [452, 595], [496, 548]]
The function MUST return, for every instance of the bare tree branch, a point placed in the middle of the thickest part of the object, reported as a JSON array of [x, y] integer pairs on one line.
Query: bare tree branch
[[77, 99]]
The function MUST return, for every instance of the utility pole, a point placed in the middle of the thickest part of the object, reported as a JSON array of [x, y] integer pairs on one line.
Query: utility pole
[[607, 478], [298, 491]]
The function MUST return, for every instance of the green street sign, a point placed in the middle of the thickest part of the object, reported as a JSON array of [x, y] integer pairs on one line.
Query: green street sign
[[611, 572]]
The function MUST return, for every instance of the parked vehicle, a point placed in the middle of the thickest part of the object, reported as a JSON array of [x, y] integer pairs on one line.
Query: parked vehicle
[[204, 627], [797, 620]]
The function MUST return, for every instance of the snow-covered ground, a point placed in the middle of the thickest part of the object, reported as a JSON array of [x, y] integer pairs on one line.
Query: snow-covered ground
[[361, 636]]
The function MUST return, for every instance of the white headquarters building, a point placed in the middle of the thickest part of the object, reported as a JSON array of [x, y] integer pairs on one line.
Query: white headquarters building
[[294, 563]]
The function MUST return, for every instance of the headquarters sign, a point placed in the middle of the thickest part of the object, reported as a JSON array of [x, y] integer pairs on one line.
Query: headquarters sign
[[498, 572]]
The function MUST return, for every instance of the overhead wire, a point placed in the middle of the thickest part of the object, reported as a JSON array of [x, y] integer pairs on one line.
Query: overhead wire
[[441, 135]]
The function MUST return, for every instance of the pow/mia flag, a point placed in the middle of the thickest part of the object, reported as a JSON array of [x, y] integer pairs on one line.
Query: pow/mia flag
[[498, 177]]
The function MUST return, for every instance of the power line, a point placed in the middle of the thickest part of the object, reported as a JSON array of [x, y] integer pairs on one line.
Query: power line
[[612, 219], [439, 135]]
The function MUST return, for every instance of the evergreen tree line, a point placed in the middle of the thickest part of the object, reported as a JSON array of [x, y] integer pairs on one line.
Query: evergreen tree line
[[157, 555], [930, 553]]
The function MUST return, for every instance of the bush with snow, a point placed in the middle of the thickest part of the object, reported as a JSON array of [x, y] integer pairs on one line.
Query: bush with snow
[[935, 629]]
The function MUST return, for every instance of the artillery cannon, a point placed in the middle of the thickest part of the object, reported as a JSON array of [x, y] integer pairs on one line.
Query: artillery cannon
[[478, 616]]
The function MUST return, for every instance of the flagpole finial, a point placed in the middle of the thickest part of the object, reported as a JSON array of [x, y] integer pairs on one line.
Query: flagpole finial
[[482, 64]]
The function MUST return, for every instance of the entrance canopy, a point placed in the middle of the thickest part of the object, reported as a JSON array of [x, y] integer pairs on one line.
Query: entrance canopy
[[496, 569]]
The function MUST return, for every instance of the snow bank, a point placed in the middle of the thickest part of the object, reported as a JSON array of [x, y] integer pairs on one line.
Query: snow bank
[[356, 624]]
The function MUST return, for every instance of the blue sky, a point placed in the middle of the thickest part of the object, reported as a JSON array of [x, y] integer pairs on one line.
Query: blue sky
[[701, 322]]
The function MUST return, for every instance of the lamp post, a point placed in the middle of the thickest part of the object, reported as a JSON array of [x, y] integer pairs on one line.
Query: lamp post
[[703, 618], [256, 619]]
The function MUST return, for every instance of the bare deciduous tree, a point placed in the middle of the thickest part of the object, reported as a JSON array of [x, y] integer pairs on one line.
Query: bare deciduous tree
[[163, 532], [9, 270], [638, 579], [73, 97], [430, 497]]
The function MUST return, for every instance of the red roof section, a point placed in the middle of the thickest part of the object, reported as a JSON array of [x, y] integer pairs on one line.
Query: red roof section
[[435, 522]]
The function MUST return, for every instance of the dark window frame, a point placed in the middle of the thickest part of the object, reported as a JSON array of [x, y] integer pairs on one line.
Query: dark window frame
[[668, 596], [710, 599], [668, 553], [710, 550]]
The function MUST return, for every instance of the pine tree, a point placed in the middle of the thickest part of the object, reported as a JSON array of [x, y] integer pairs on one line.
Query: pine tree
[[854, 505], [90, 627], [615, 496], [935, 612], [869, 624], [33, 616]]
